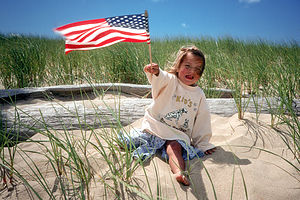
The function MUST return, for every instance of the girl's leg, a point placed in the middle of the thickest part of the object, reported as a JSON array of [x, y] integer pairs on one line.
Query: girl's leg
[[176, 162]]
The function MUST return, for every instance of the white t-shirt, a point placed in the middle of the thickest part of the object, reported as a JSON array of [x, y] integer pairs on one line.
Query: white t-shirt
[[178, 112]]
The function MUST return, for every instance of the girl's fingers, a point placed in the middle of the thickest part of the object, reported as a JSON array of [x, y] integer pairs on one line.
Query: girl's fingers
[[151, 68]]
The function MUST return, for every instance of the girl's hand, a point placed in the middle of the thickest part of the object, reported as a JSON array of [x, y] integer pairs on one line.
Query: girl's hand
[[153, 69], [210, 151]]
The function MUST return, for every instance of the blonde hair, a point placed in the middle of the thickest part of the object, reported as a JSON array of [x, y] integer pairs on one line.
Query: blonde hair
[[181, 55]]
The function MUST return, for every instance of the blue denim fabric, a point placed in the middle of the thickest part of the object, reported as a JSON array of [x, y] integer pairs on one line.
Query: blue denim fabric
[[145, 145]]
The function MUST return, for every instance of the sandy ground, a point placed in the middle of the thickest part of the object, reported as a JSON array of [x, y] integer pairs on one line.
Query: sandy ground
[[241, 168]]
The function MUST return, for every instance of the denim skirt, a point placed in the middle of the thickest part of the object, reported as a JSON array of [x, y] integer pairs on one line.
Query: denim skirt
[[145, 145]]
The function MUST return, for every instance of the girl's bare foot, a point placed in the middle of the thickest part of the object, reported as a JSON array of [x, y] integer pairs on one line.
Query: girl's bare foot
[[182, 179]]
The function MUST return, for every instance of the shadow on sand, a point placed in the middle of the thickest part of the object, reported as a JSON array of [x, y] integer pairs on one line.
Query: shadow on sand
[[221, 156]]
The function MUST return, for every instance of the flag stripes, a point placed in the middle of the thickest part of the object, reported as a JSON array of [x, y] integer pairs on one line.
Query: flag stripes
[[97, 33]]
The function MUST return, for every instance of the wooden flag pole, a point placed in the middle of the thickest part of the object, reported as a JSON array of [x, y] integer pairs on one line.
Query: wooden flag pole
[[150, 55], [149, 44]]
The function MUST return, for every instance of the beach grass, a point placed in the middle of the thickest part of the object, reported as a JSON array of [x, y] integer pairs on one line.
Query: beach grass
[[250, 69], [28, 61]]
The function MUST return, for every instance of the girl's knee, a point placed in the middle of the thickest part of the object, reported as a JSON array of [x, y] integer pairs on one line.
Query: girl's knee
[[173, 146]]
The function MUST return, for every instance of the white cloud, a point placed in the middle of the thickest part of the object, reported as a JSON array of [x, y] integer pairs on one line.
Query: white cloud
[[184, 25], [249, 1]]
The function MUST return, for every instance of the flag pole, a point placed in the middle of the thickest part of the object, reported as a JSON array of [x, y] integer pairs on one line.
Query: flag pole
[[149, 43], [150, 55]]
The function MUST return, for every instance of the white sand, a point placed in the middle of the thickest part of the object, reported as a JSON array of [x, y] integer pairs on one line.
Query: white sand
[[266, 176]]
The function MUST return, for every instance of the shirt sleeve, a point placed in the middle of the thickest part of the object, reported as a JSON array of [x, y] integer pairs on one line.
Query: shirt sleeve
[[202, 133], [158, 82]]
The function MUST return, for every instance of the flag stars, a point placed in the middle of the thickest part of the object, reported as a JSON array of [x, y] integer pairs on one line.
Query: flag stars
[[129, 21]]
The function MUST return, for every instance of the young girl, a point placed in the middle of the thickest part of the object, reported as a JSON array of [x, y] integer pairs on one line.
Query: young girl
[[178, 121]]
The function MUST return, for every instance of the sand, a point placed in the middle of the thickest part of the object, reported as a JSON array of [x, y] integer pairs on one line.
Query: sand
[[241, 168]]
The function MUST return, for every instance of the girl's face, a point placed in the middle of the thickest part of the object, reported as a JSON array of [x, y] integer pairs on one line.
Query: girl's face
[[189, 69]]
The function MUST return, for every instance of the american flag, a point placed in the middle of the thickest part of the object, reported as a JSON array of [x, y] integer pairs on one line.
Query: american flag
[[97, 33]]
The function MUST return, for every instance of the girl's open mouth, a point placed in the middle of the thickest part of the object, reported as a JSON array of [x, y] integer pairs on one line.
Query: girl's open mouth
[[190, 77]]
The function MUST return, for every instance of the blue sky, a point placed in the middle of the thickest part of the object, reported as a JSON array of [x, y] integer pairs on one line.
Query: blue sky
[[271, 20]]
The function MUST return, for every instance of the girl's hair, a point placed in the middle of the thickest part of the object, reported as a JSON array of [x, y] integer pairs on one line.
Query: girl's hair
[[181, 55]]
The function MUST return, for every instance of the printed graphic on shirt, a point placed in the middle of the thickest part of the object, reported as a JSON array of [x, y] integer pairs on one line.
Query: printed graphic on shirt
[[182, 99], [175, 116], [185, 126], [186, 101]]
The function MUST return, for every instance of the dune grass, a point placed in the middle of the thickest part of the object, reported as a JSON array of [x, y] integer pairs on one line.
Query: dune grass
[[28, 61], [253, 69]]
